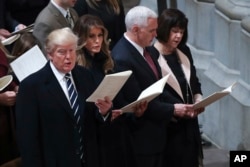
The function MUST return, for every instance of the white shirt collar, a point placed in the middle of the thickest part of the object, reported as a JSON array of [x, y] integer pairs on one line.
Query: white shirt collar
[[62, 10], [139, 48], [59, 75]]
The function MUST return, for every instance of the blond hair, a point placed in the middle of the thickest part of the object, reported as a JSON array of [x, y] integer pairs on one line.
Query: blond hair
[[60, 37]]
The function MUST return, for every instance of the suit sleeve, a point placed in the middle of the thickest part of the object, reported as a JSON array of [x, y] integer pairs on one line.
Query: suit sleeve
[[28, 130]]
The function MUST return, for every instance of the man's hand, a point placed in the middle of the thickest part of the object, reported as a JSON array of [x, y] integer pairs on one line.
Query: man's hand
[[104, 105]]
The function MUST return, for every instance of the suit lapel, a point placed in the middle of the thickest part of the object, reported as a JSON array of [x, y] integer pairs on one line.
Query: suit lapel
[[56, 92], [73, 15], [60, 18], [185, 64], [139, 58], [81, 92], [172, 81]]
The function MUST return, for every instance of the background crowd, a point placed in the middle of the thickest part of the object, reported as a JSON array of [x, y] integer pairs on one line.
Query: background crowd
[[45, 119]]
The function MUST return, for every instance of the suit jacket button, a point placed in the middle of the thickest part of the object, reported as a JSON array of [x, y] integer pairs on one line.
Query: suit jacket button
[[77, 152]]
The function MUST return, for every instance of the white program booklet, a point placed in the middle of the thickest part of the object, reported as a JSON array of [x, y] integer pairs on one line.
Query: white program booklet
[[148, 94], [28, 63], [110, 86], [214, 97]]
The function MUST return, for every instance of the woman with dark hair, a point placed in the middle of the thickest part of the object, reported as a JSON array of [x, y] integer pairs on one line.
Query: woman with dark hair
[[111, 12], [94, 54], [183, 87]]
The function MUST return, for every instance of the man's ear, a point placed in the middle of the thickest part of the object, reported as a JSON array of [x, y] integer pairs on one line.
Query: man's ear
[[49, 57], [135, 29]]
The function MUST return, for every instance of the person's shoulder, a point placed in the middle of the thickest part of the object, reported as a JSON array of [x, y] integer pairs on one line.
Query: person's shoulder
[[47, 13], [36, 77], [184, 48], [121, 47], [84, 75], [80, 70], [153, 51], [73, 12]]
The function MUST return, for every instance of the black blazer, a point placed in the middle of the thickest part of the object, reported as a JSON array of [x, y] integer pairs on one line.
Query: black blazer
[[183, 138], [149, 131], [46, 130]]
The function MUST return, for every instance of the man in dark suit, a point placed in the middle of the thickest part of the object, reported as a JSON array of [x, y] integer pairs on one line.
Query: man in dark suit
[[149, 131], [52, 17], [51, 131]]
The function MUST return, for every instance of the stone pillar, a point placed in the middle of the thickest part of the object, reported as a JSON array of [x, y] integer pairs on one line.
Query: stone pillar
[[219, 38]]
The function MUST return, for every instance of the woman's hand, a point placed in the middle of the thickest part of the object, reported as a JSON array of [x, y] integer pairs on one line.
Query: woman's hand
[[104, 105]]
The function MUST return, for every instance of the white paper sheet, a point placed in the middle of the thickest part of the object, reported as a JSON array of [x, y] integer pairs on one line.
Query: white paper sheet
[[110, 86], [28, 63], [214, 97], [148, 94]]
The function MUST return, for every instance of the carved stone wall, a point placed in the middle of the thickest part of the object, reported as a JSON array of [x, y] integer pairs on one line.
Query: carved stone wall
[[219, 38]]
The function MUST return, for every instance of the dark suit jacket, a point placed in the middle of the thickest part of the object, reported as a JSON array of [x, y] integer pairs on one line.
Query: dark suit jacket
[[46, 129], [149, 131], [49, 19]]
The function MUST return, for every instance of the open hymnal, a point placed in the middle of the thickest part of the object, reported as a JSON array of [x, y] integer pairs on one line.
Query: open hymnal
[[5, 81], [110, 86], [28, 63], [214, 97], [148, 94], [11, 39]]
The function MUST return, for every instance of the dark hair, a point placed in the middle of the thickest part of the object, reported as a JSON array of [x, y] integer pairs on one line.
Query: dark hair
[[82, 29], [171, 18]]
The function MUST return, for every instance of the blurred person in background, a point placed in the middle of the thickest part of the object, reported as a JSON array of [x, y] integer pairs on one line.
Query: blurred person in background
[[111, 12]]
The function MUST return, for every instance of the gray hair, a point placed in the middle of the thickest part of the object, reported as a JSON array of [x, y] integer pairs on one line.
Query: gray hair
[[60, 37], [139, 15]]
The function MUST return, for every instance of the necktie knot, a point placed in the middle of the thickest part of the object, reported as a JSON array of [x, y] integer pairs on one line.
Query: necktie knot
[[69, 19], [67, 76]]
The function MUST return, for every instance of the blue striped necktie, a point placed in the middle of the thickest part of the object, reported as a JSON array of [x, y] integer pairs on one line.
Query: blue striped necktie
[[73, 97]]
